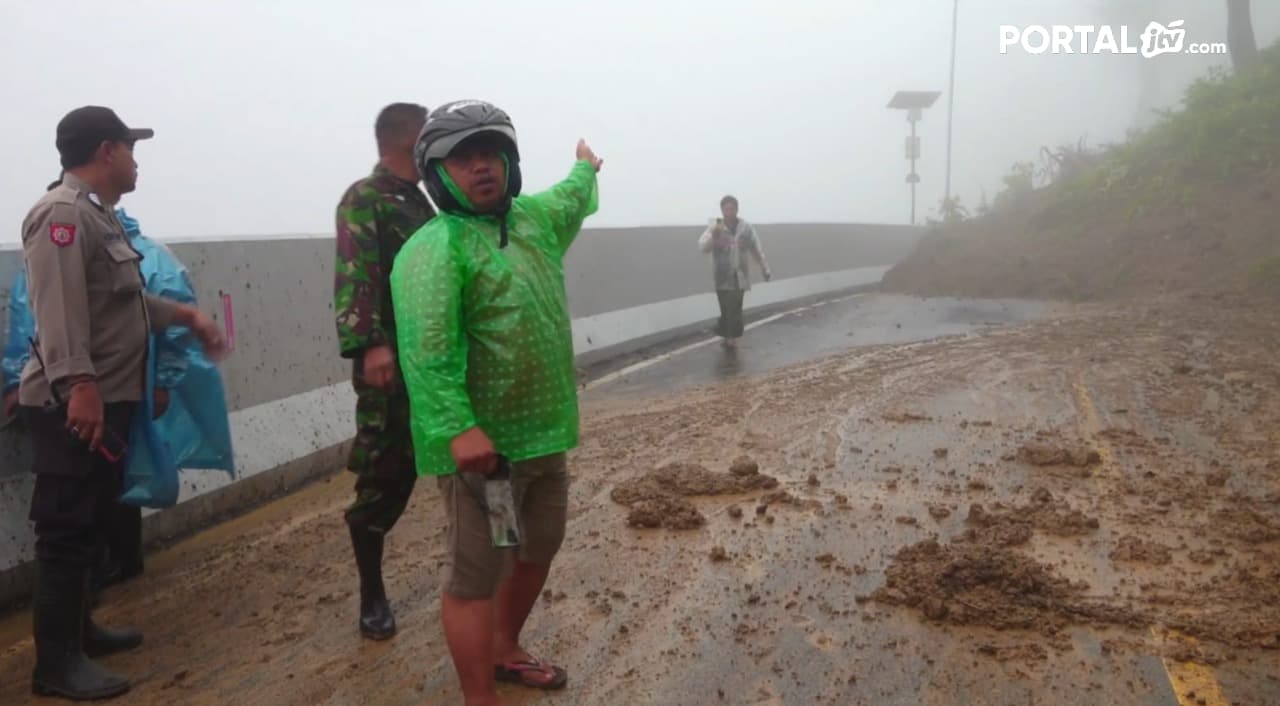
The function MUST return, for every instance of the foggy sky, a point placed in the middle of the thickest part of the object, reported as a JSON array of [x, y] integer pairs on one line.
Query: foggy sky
[[263, 111]]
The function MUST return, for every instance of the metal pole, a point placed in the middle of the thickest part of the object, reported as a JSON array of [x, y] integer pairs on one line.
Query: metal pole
[[951, 92], [913, 172]]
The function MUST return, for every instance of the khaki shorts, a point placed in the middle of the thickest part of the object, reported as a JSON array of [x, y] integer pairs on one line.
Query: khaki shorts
[[476, 567]]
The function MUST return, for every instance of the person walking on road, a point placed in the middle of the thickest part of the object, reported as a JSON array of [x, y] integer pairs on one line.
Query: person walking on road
[[487, 354], [81, 387], [375, 218], [730, 240]]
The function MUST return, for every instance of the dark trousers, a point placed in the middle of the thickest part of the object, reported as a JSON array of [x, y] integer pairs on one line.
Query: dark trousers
[[730, 325], [75, 503], [380, 501], [381, 456], [122, 558]]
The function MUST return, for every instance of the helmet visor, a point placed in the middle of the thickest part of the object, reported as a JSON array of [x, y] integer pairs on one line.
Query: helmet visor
[[442, 146]]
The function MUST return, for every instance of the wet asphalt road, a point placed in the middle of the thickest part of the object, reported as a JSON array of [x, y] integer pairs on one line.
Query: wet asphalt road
[[824, 329]]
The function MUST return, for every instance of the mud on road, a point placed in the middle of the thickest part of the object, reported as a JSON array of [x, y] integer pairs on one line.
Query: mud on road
[[1058, 513]]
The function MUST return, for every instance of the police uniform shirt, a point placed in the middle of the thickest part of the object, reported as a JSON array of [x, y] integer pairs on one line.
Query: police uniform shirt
[[86, 290]]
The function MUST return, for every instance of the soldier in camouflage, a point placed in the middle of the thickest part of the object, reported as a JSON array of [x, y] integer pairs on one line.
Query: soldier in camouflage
[[376, 216]]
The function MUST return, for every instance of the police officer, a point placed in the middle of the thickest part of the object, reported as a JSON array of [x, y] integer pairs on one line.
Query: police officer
[[79, 388], [376, 215]]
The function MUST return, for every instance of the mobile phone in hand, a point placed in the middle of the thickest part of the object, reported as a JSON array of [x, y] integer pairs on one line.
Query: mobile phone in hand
[[111, 447]]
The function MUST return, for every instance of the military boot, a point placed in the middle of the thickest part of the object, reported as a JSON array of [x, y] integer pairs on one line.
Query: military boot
[[58, 622], [376, 620]]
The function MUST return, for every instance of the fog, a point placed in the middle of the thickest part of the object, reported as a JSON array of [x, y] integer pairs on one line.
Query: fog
[[263, 111]]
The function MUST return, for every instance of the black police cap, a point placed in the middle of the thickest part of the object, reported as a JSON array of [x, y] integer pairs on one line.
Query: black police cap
[[83, 129]]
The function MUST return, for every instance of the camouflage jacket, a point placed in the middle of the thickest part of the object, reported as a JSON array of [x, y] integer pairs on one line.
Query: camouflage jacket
[[376, 216]]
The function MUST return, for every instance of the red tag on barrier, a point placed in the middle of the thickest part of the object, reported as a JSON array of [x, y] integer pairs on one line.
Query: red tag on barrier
[[228, 321]]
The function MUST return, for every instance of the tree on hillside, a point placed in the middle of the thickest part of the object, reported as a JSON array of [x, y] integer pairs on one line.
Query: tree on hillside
[[1244, 47], [952, 210]]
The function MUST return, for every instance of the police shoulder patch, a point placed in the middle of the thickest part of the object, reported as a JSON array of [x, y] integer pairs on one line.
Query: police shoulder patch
[[62, 234]]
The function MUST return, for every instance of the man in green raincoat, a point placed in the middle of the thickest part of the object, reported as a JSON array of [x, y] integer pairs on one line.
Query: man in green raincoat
[[486, 353]]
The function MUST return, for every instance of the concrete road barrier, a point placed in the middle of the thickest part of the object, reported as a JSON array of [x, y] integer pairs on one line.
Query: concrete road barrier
[[289, 392]]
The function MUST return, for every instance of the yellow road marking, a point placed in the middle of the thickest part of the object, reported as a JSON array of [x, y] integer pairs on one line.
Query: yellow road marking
[[1193, 684], [1092, 426]]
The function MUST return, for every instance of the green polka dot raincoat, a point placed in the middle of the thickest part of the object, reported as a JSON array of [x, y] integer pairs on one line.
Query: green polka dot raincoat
[[484, 332]]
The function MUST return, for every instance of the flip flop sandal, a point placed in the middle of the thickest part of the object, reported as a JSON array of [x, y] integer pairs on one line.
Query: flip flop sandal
[[533, 673]]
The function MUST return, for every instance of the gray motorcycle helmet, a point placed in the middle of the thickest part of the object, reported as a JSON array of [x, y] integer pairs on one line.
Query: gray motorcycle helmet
[[447, 126]]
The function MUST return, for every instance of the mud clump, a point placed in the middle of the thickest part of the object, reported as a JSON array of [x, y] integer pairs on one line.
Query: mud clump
[[1136, 549], [978, 585], [718, 554], [1203, 557], [1026, 652], [1247, 525], [1239, 608], [1009, 527], [905, 417], [658, 498], [669, 511], [786, 499], [690, 480], [1048, 455], [743, 467], [1199, 654], [998, 529], [1218, 479]]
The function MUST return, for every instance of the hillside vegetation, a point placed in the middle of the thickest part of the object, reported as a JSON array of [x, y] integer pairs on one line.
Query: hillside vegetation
[[1190, 205]]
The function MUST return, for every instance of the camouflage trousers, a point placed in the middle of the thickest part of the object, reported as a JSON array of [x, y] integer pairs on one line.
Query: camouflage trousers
[[381, 457]]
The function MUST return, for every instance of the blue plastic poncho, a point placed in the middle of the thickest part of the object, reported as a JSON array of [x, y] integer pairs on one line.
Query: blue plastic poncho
[[22, 325], [195, 430]]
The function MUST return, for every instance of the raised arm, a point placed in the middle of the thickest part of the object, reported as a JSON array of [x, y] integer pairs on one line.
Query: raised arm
[[707, 240], [568, 203]]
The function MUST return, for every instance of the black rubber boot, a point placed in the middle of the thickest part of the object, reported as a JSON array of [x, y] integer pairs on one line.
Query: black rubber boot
[[376, 620], [58, 610], [100, 641], [104, 574]]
